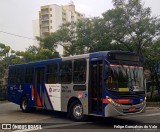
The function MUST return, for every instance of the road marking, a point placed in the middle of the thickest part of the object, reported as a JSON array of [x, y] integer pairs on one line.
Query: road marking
[[54, 126]]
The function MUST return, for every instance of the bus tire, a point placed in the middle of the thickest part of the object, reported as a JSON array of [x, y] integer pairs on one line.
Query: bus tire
[[76, 111], [24, 104]]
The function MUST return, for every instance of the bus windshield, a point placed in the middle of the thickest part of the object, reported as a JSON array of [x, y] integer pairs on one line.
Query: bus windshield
[[124, 78]]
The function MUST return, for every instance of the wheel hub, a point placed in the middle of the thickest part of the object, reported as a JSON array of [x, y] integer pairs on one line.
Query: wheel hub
[[24, 104], [78, 111]]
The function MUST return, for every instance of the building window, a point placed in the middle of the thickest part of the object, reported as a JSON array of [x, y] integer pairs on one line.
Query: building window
[[50, 15], [64, 19], [51, 27], [50, 21], [52, 73], [79, 71], [66, 72], [50, 9]]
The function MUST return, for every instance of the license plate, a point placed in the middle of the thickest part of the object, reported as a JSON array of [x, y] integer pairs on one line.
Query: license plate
[[132, 109]]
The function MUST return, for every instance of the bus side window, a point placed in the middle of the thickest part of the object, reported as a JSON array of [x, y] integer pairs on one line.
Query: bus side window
[[20, 75], [12, 76], [79, 71], [52, 73], [66, 72], [29, 75]]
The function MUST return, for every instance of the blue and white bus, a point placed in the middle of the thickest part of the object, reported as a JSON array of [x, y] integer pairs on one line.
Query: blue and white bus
[[106, 83]]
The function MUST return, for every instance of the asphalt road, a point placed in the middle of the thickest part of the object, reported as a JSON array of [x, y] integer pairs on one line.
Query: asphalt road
[[57, 121]]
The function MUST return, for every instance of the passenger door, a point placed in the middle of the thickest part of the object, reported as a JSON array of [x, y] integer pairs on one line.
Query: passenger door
[[39, 86], [95, 87]]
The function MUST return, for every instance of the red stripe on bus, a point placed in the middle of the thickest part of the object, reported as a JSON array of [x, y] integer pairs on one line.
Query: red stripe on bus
[[119, 101], [38, 100], [32, 93], [123, 101], [105, 101]]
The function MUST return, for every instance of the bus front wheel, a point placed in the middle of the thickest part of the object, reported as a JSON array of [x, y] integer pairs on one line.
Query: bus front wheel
[[76, 111]]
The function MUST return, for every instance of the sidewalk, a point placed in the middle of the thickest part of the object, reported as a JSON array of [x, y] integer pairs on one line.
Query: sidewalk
[[153, 108], [4, 101]]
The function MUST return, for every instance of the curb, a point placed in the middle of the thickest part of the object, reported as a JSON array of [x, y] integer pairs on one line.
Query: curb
[[153, 104], [2, 102]]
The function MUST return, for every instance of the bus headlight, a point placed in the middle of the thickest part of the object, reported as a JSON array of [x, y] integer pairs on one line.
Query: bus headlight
[[112, 101], [145, 98]]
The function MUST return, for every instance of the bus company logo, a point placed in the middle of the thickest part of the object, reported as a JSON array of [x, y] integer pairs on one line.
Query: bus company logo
[[50, 90], [81, 95], [6, 126], [53, 90]]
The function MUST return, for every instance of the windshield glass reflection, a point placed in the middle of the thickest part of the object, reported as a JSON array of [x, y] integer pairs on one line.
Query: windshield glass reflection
[[125, 78]]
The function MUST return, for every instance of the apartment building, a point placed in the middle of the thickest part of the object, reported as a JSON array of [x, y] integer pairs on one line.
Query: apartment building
[[51, 17]]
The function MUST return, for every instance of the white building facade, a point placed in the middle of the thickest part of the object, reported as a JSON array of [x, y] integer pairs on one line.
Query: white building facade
[[51, 17]]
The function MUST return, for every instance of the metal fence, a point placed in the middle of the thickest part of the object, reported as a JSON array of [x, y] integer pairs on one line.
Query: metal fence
[[3, 93]]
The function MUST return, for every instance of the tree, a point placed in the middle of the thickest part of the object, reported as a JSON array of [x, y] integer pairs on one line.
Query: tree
[[34, 53], [4, 51], [52, 40], [87, 35], [131, 25], [152, 62]]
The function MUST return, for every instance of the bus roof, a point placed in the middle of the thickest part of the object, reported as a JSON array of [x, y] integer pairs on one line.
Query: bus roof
[[92, 55]]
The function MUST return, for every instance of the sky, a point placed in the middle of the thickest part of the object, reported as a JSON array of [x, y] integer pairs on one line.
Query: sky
[[16, 16]]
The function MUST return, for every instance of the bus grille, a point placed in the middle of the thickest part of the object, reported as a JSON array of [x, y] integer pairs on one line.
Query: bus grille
[[127, 110]]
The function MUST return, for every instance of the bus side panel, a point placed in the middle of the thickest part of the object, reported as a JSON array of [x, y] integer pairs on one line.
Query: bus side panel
[[44, 97], [27, 91], [15, 92], [68, 93]]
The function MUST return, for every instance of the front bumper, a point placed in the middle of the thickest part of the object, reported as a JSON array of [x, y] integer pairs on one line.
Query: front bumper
[[111, 110]]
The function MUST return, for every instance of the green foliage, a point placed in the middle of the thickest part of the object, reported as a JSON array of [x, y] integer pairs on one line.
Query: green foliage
[[128, 26], [155, 98], [131, 25], [34, 53]]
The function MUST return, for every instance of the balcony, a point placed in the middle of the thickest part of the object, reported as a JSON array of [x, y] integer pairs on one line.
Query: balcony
[[45, 12], [44, 24], [44, 19], [46, 28]]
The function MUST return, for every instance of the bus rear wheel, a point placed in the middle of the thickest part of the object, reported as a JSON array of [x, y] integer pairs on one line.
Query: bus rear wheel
[[76, 111], [24, 104]]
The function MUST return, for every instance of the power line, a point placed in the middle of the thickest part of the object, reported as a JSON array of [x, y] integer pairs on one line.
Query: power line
[[17, 35]]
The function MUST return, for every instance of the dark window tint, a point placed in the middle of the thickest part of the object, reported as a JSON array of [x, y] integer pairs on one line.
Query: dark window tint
[[12, 76], [29, 75], [66, 72], [79, 88], [16, 75], [79, 73], [52, 73], [20, 75]]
